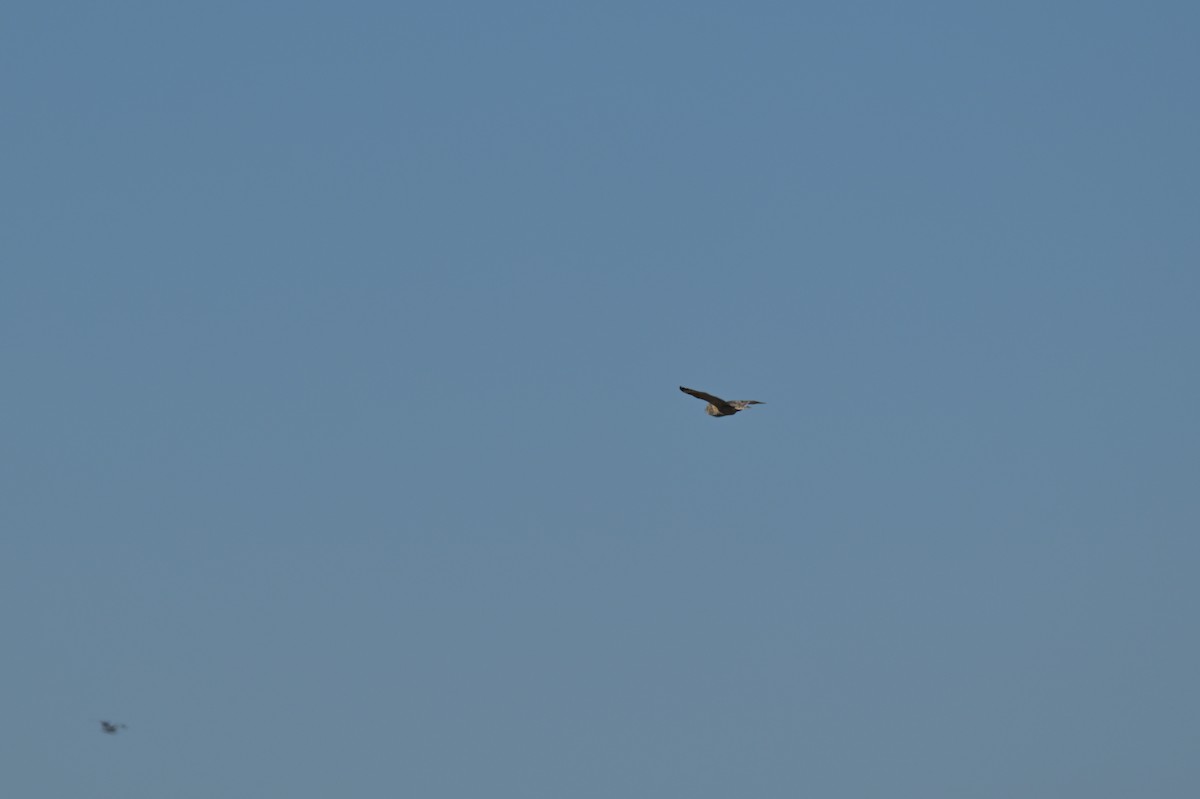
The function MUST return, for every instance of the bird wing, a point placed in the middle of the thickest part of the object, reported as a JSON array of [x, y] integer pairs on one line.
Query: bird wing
[[702, 395]]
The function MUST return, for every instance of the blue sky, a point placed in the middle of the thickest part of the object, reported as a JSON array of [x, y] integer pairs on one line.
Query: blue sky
[[344, 450]]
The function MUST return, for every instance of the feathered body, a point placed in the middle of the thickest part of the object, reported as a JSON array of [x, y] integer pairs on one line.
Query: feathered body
[[719, 407]]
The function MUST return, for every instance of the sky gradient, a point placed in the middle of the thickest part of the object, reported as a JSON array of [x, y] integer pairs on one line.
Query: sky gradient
[[344, 454]]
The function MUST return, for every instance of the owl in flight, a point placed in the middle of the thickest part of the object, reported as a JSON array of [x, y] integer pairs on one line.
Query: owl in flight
[[718, 406]]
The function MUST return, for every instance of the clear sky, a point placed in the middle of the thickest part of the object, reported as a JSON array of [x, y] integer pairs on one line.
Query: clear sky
[[343, 453]]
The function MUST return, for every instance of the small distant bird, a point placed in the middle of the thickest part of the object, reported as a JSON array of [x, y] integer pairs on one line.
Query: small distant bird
[[718, 406], [110, 728]]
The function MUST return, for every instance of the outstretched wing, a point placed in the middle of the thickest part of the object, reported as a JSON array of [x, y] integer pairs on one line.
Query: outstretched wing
[[702, 395]]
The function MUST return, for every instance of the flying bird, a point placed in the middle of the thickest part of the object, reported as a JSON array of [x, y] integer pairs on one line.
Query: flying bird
[[110, 728], [718, 406]]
